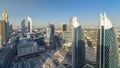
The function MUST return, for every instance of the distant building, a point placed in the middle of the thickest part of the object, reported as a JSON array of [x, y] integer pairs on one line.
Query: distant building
[[26, 47], [78, 44], [107, 49], [10, 28], [23, 27], [66, 36], [48, 63], [64, 27], [29, 24], [50, 30]]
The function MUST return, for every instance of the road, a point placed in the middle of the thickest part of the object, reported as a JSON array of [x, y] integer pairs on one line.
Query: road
[[23, 64]]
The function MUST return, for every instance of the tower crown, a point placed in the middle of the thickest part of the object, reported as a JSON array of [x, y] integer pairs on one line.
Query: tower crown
[[5, 15], [75, 22], [4, 11], [29, 19], [104, 21]]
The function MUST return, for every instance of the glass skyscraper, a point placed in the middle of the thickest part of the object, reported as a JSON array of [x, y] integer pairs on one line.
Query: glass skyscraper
[[78, 47], [29, 24], [23, 26], [107, 49]]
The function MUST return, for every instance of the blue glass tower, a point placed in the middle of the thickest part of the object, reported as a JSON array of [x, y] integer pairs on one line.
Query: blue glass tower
[[107, 49], [78, 47], [23, 26]]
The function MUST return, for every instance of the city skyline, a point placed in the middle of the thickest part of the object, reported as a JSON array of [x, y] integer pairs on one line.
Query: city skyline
[[43, 12]]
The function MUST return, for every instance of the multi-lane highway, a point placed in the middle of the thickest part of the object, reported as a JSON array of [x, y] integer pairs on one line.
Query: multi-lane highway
[[23, 64]]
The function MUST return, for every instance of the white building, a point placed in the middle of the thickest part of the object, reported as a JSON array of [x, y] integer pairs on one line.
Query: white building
[[29, 24], [26, 47], [48, 32]]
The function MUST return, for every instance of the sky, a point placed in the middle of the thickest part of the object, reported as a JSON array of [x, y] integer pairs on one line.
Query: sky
[[43, 12]]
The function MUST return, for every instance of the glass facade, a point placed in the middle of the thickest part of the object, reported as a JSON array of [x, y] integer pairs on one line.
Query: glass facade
[[28, 26], [107, 49], [78, 55]]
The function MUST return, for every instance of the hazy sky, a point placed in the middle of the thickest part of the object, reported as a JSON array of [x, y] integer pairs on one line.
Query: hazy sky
[[58, 11]]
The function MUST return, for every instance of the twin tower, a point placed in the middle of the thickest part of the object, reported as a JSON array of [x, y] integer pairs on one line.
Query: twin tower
[[107, 48]]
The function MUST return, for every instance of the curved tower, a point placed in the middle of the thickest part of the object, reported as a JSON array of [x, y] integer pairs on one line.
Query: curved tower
[[29, 24], [78, 46], [107, 48]]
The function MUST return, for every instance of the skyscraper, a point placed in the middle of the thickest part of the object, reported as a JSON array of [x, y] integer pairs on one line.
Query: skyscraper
[[78, 47], [10, 28], [23, 26], [107, 49], [2, 32], [29, 24], [50, 30], [5, 18], [64, 27]]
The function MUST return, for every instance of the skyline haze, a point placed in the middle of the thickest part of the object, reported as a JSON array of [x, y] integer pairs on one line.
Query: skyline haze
[[57, 11]]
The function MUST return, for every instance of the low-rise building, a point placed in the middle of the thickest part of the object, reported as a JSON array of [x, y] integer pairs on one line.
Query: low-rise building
[[26, 47]]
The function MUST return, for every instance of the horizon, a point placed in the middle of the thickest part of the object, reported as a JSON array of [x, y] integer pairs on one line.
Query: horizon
[[60, 11]]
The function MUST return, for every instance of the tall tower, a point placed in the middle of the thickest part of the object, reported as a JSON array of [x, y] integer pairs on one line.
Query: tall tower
[[5, 18], [29, 24], [23, 26], [64, 27], [107, 48], [2, 32], [50, 30], [78, 47]]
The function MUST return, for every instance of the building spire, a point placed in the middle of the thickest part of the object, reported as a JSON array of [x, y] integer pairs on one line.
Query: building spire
[[75, 23], [104, 21], [4, 11]]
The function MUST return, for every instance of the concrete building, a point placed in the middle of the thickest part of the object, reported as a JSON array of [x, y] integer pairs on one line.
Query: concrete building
[[50, 30], [64, 27], [66, 36], [107, 48], [48, 63], [26, 47], [78, 45]]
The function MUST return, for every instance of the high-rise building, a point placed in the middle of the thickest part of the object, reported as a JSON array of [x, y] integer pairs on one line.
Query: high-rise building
[[23, 26], [2, 32], [5, 18], [10, 28], [107, 48], [78, 44], [50, 30], [29, 24], [64, 27]]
